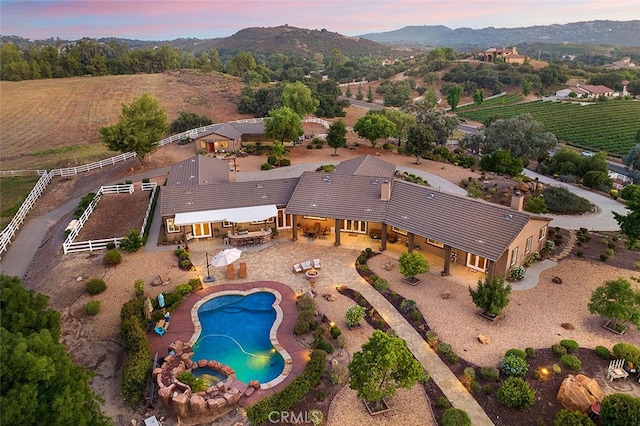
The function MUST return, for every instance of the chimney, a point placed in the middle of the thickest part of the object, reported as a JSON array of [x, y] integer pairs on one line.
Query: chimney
[[385, 190], [517, 201]]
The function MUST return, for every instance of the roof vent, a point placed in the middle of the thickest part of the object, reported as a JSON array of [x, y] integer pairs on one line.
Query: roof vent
[[405, 217], [314, 205], [264, 196], [327, 179], [430, 196], [259, 186], [374, 182], [479, 241], [191, 177], [189, 203], [368, 210], [507, 216]]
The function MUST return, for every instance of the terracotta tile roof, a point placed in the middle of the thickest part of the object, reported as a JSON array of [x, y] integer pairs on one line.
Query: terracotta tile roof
[[366, 165], [225, 195], [472, 225], [198, 170], [338, 196]]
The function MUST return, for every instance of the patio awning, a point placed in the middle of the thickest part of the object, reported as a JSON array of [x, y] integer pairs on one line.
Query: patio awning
[[237, 215]]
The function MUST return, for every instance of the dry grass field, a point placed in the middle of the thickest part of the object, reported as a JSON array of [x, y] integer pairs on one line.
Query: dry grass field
[[54, 122]]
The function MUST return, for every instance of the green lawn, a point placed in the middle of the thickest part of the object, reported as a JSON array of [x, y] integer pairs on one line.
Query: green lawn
[[13, 191], [600, 126]]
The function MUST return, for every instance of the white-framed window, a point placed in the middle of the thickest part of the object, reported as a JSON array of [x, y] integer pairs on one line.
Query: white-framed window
[[434, 242], [171, 226], [398, 230], [543, 233], [514, 256], [226, 224], [260, 222], [527, 248]]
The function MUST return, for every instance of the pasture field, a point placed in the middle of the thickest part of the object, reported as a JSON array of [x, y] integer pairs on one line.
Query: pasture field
[[14, 191], [599, 126], [54, 122]]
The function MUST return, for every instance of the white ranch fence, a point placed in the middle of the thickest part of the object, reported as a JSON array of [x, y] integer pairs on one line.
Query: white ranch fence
[[11, 229], [72, 246]]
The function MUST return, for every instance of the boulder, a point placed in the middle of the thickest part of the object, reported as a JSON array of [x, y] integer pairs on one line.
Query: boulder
[[249, 391], [203, 363], [178, 346], [567, 326], [254, 384], [165, 395], [556, 280], [334, 363], [574, 396], [484, 339], [216, 405], [591, 385], [180, 403]]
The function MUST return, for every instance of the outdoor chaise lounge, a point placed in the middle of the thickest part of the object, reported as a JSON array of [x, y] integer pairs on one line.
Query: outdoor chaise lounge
[[306, 265], [316, 263], [231, 272], [242, 270], [162, 326], [296, 268]]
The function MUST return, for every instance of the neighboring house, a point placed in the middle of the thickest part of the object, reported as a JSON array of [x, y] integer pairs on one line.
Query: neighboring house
[[585, 91], [360, 197], [507, 55], [228, 137], [624, 63]]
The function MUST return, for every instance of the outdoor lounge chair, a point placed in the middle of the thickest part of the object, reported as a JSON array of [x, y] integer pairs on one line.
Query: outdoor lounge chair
[[242, 270], [616, 370], [316, 263], [231, 272], [306, 265], [296, 268], [161, 326]]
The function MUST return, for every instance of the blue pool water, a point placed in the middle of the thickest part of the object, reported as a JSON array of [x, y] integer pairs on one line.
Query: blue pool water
[[235, 332]]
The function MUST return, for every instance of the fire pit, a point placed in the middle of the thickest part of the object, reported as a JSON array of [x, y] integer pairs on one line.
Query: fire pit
[[312, 274]]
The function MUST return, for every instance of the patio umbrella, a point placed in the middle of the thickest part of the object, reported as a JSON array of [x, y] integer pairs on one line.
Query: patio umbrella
[[148, 308], [225, 257]]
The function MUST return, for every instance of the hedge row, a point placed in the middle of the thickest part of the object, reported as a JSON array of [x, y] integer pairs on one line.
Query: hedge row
[[292, 394], [137, 365]]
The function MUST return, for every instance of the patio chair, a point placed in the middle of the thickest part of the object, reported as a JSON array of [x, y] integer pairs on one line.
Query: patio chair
[[316, 263], [231, 273], [296, 268], [616, 370], [306, 265], [161, 326], [242, 270]]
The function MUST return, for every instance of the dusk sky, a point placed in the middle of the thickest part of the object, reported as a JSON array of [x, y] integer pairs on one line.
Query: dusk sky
[[170, 19]]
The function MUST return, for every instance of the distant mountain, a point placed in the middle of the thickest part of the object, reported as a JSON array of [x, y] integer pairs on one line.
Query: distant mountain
[[620, 33]]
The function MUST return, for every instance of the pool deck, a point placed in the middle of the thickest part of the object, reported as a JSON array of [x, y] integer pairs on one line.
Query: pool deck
[[182, 328]]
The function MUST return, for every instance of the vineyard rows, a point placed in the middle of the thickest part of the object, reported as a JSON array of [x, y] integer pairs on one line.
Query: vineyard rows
[[490, 103], [600, 126]]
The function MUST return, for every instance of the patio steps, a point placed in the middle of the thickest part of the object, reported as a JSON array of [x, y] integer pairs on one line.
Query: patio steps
[[573, 238]]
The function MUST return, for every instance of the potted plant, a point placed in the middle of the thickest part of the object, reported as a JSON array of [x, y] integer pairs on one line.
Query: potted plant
[[412, 264], [492, 296], [216, 232], [384, 365], [354, 315]]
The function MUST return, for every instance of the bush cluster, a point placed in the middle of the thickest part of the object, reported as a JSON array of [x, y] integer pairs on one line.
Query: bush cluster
[[517, 352], [407, 306], [381, 284], [513, 365], [196, 384], [517, 273], [292, 394], [620, 409], [572, 418], [306, 318], [560, 200], [95, 286], [92, 307], [515, 393], [455, 417], [558, 349], [490, 373], [627, 351], [603, 352], [570, 345], [132, 241], [112, 257], [571, 362], [138, 362]]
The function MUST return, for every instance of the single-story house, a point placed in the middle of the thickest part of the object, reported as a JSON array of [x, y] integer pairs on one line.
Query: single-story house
[[585, 91], [361, 196], [510, 55], [229, 137]]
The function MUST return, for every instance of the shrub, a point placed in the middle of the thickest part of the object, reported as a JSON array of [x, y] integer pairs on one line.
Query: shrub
[[266, 166], [408, 305], [580, 253], [284, 162], [354, 315], [304, 322], [455, 417], [549, 245], [95, 286], [132, 241], [571, 362], [559, 350], [490, 373], [362, 259], [560, 200], [138, 287], [531, 352], [197, 384], [111, 246], [442, 403], [572, 418], [183, 289], [185, 264], [620, 409], [339, 375], [431, 336], [83, 204], [515, 393], [381, 284], [305, 303], [536, 375], [626, 351], [555, 369], [604, 257], [136, 368], [492, 296], [322, 344], [517, 273], [570, 345], [272, 160], [469, 372], [416, 315], [513, 365], [112, 257], [517, 352], [335, 332], [92, 307], [452, 357], [444, 348], [603, 352]]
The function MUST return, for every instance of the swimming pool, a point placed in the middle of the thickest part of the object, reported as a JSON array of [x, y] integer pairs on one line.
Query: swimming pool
[[238, 329]]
